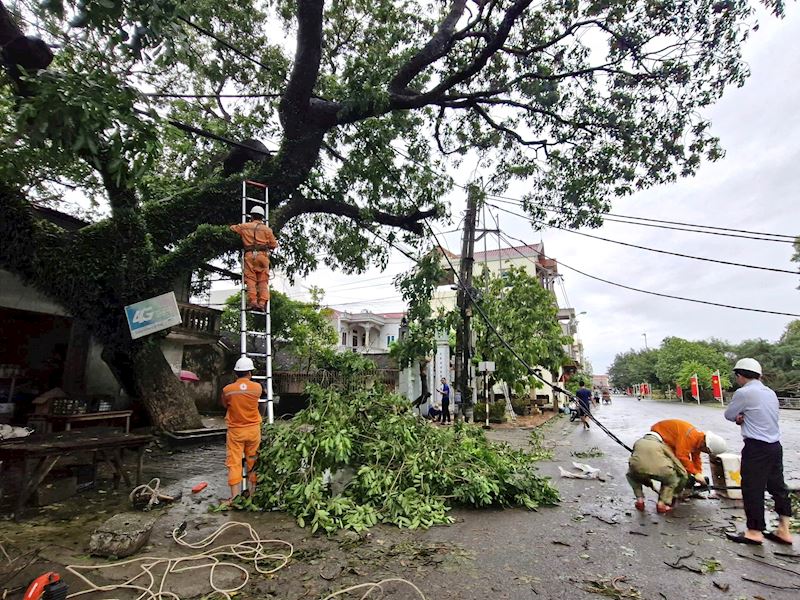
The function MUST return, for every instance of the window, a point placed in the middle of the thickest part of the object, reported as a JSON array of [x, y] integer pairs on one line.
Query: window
[[344, 338], [355, 338], [389, 340]]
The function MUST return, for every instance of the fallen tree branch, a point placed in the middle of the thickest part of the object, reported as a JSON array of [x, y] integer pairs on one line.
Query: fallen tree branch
[[772, 585]]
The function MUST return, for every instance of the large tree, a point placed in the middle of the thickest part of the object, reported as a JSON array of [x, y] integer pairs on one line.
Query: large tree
[[361, 103]]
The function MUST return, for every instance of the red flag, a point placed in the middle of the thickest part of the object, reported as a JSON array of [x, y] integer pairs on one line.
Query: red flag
[[695, 388], [716, 385], [679, 391], [630, 392]]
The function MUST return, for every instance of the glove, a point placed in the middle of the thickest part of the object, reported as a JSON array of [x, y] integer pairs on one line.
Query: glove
[[700, 480]]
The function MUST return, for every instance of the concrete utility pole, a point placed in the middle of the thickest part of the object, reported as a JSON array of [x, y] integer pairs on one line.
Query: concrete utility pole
[[464, 334]]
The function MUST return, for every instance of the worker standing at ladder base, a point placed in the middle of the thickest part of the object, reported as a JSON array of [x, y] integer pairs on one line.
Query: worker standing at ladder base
[[258, 241], [243, 419]]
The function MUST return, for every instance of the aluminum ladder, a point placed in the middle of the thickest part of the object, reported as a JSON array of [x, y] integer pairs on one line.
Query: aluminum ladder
[[244, 333]]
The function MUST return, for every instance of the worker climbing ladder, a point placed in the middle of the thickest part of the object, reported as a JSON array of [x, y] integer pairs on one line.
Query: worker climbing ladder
[[245, 335]]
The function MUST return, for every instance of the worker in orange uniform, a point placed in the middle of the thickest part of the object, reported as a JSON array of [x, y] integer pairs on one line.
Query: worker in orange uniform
[[670, 454], [258, 241], [243, 419]]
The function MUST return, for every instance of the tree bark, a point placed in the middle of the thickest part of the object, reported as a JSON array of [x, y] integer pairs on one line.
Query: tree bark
[[142, 370]]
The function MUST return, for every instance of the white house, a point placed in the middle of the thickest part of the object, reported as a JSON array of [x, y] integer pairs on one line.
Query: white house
[[366, 332]]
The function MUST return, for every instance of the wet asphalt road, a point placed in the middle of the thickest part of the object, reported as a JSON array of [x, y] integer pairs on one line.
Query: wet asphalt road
[[593, 537]]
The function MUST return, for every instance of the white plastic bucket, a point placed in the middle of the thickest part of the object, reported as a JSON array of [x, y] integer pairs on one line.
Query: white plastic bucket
[[726, 471]]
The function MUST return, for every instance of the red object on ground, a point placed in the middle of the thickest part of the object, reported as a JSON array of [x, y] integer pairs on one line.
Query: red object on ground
[[199, 487], [679, 391], [39, 586], [188, 376]]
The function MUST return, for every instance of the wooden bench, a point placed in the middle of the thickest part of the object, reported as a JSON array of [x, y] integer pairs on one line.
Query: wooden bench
[[68, 420], [41, 452]]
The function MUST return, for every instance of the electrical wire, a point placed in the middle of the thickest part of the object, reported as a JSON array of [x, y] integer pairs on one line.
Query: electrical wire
[[647, 248], [660, 294], [531, 371]]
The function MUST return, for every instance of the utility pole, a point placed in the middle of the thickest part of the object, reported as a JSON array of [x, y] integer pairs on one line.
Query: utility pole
[[464, 333], [645, 341]]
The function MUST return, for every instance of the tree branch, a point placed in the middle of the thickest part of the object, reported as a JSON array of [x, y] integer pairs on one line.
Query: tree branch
[[294, 106], [207, 242], [301, 204], [436, 48]]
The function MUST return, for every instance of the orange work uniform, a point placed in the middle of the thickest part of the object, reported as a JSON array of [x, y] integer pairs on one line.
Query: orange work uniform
[[684, 440], [240, 398], [258, 240]]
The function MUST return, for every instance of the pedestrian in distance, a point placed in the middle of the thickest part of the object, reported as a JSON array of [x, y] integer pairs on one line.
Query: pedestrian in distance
[[670, 454], [584, 403], [445, 393], [258, 241], [243, 419], [754, 407]]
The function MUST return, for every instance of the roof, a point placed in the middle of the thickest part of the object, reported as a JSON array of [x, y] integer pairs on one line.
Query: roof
[[531, 250], [392, 315]]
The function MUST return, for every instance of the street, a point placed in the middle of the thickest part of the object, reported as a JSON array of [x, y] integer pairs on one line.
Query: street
[[593, 543]]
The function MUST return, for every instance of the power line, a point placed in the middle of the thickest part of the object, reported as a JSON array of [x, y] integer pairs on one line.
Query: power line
[[712, 230], [597, 237], [225, 43], [660, 294], [174, 95]]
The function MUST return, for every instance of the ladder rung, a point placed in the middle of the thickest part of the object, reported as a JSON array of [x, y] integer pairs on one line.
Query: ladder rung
[[258, 354], [255, 183], [260, 377], [261, 200], [263, 333], [255, 312]]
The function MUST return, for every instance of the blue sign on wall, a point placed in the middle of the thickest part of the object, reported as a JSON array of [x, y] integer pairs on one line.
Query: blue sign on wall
[[153, 314]]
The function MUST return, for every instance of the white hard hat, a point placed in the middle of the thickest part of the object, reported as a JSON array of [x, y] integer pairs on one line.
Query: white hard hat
[[748, 364], [244, 364], [257, 210], [715, 443]]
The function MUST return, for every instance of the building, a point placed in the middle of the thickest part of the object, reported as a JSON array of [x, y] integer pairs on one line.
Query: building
[[532, 259], [43, 346], [600, 382], [366, 332]]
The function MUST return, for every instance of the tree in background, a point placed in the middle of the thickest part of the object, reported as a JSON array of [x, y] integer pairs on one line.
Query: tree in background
[[302, 327], [524, 313], [780, 360], [675, 353], [632, 367], [361, 103]]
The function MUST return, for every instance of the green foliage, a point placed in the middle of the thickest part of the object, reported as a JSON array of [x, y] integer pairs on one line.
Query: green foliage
[[675, 353], [538, 449], [302, 326], [690, 368], [497, 411], [593, 452], [632, 367], [404, 471], [575, 381], [780, 360], [416, 288], [524, 313]]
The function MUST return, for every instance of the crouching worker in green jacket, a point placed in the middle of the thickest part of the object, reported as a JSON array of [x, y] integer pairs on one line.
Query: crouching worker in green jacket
[[652, 460]]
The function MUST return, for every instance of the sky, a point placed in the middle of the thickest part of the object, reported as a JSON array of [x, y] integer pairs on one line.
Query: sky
[[754, 187]]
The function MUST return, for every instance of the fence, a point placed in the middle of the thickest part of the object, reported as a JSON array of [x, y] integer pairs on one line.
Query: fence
[[790, 403]]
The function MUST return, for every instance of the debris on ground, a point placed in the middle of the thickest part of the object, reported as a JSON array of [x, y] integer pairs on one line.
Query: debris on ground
[[593, 452], [122, 535], [611, 588], [584, 472], [406, 472]]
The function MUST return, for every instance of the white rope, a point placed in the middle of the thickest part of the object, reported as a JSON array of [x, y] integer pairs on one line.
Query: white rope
[[156, 570], [152, 487]]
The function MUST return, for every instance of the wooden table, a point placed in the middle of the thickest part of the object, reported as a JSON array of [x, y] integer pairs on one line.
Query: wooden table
[[40, 453], [68, 420]]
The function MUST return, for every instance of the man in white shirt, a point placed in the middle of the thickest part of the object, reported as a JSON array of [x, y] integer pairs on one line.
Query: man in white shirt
[[754, 408]]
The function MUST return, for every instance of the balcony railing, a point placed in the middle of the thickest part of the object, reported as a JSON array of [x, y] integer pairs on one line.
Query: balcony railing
[[198, 320]]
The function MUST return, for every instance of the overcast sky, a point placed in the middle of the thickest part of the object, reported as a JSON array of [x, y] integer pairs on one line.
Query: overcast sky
[[754, 187]]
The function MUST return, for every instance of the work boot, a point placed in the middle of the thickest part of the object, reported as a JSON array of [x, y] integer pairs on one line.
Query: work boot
[[254, 306]]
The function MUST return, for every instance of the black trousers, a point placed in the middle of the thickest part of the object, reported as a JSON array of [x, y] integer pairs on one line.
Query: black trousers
[[445, 411], [762, 470]]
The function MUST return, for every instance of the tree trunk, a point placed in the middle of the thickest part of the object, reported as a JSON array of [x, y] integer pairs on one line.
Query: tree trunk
[[423, 379], [143, 371]]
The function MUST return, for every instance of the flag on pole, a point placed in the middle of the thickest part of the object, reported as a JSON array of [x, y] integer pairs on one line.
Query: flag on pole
[[716, 386], [695, 388], [679, 391]]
